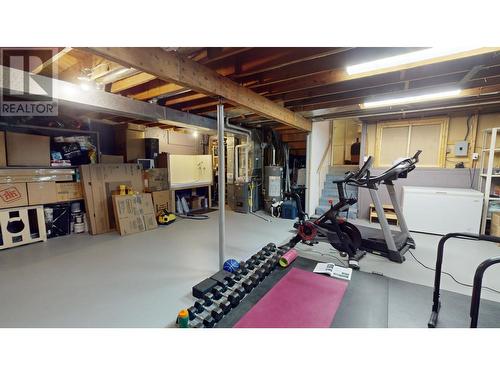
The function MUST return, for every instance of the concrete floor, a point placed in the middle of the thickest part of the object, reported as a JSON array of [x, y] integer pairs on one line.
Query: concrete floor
[[143, 280]]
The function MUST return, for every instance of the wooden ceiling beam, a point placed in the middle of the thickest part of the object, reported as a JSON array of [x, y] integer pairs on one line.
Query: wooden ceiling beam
[[185, 72], [472, 88], [129, 82], [47, 66], [293, 137], [252, 61]]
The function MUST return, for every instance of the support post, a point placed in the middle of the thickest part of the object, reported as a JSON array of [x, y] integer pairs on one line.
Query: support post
[[221, 183]]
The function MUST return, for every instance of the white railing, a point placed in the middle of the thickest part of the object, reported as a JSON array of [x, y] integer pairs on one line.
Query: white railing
[[324, 165]]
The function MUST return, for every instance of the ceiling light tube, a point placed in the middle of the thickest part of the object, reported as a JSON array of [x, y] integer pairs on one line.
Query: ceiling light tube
[[412, 99], [410, 58]]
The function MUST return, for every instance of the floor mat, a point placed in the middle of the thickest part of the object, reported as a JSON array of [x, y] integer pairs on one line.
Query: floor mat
[[374, 301], [301, 299]]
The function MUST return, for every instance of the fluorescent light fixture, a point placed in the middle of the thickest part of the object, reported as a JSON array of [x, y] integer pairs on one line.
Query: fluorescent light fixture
[[85, 86], [412, 99], [406, 58]]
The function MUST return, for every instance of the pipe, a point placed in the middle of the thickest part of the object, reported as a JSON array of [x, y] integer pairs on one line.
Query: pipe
[[231, 128], [222, 184]]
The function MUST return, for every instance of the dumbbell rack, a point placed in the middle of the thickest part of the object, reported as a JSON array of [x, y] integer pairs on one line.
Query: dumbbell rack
[[223, 291]]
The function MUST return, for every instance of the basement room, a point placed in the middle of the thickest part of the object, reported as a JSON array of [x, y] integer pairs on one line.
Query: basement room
[[250, 190]]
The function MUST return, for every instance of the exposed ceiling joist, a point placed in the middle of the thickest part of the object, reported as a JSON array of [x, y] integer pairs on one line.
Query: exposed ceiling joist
[[133, 81], [180, 70], [12, 82], [48, 66]]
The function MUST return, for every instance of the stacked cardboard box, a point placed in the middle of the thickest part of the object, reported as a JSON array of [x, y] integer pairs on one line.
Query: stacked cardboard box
[[162, 200], [27, 150], [156, 179], [68, 191]]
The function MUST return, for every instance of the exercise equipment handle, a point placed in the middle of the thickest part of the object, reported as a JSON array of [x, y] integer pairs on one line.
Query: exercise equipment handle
[[436, 303], [477, 286]]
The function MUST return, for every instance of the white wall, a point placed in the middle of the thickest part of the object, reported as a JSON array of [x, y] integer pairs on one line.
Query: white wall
[[175, 142], [317, 141]]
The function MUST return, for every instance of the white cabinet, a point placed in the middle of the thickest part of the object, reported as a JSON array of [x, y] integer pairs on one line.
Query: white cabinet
[[442, 210]]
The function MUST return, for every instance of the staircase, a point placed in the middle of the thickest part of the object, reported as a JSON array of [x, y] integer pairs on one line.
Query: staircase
[[330, 192]]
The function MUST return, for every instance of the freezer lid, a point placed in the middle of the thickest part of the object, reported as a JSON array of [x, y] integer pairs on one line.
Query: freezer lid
[[442, 190]]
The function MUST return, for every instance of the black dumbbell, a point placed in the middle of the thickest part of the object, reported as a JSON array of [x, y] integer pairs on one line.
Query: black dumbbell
[[212, 309], [262, 255], [261, 273], [267, 250], [250, 265], [194, 320], [199, 317], [267, 268], [247, 284], [233, 284], [232, 297], [256, 259], [218, 299], [255, 279]]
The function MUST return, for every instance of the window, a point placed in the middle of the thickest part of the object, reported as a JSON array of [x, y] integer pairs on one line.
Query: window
[[404, 138]]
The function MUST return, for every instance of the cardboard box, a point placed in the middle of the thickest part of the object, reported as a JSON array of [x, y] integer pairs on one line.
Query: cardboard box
[[41, 192], [495, 224], [3, 153], [111, 159], [156, 179], [68, 191], [130, 143], [99, 181], [197, 202], [162, 200], [27, 150], [13, 195], [134, 213]]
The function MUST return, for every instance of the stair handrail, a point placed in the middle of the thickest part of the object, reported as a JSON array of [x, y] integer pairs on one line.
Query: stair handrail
[[321, 170]]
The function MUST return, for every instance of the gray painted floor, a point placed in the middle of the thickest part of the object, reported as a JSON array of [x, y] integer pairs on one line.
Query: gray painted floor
[[461, 258], [141, 280]]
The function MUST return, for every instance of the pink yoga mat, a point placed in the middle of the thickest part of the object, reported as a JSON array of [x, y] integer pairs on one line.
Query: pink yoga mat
[[301, 299]]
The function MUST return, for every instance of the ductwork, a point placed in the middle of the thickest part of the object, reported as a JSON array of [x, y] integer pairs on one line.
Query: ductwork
[[235, 129]]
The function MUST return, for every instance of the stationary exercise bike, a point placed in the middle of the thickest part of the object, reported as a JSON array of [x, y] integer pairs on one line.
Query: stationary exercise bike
[[332, 227]]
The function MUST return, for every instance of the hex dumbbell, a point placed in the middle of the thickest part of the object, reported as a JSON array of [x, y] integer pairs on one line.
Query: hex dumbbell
[[232, 297], [199, 316]]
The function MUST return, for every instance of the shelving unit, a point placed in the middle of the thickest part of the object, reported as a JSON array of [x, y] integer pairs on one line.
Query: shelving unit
[[486, 173]]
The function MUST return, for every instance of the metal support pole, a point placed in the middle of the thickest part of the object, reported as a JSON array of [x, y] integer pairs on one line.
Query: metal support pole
[[221, 183]]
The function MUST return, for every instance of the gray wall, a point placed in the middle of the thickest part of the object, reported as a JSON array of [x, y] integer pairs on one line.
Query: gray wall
[[432, 177]]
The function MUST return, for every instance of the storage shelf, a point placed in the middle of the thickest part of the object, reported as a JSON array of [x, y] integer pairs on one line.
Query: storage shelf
[[488, 165]]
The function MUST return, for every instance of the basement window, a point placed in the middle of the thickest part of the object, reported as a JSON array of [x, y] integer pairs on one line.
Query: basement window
[[404, 138]]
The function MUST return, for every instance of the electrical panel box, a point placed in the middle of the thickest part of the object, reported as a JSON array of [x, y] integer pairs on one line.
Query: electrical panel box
[[461, 148]]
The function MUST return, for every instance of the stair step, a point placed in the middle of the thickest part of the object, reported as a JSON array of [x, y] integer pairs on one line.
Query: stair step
[[353, 214]]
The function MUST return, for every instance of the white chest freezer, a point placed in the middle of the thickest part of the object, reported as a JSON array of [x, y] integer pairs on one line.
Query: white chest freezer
[[442, 210]]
